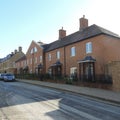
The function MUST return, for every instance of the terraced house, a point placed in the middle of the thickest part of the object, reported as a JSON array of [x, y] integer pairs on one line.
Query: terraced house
[[33, 61], [84, 54], [7, 64]]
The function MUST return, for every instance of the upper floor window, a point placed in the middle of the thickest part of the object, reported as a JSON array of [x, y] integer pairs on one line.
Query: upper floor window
[[58, 54], [33, 50], [49, 57], [40, 58], [89, 47], [73, 51]]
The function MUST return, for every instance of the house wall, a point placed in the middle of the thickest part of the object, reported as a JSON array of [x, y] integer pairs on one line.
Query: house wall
[[54, 59], [20, 65], [114, 71], [36, 55], [9, 65], [104, 49]]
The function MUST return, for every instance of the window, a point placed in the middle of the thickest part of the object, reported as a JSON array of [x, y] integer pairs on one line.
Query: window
[[49, 57], [89, 47], [33, 50], [50, 72], [40, 58], [73, 51], [73, 72], [58, 54]]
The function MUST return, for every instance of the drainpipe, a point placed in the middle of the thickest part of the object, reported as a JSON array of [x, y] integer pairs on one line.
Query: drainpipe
[[64, 62]]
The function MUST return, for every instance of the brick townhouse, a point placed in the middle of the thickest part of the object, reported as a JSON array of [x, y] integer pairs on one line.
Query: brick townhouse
[[83, 54], [21, 65]]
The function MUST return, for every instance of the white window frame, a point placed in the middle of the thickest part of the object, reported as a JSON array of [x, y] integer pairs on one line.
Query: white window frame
[[73, 72], [40, 58], [89, 47], [58, 54], [31, 51], [35, 49], [73, 51], [49, 57]]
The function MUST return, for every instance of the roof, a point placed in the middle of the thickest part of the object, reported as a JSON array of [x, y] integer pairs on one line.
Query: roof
[[88, 32], [21, 59], [6, 58], [87, 59], [58, 63]]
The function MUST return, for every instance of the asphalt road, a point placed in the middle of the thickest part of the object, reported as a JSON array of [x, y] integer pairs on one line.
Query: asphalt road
[[21, 101]]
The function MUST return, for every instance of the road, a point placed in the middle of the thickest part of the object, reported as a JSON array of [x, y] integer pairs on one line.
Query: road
[[22, 101]]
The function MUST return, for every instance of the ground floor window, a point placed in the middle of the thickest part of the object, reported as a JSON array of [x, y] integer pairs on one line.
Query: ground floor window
[[73, 72], [50, 71]]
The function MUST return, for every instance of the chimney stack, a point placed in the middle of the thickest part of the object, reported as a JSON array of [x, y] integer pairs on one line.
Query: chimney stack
[[62, 33], [15, 51], [20, 49], [83, 23]]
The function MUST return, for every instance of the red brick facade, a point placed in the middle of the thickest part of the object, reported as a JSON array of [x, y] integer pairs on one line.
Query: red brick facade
[[104, 49], [85, 52], [35, 56]]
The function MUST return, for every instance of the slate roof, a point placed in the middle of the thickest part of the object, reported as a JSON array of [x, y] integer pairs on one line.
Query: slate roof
[[88, 32], [21, 59]]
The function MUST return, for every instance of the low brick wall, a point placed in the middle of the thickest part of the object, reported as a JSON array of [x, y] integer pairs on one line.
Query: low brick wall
[[114, 70]]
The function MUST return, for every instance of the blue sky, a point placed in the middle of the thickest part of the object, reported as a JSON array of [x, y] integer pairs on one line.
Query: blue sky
[[22, 21]]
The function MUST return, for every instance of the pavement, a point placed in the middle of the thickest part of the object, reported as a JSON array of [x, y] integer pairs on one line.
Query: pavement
[[101, 94]]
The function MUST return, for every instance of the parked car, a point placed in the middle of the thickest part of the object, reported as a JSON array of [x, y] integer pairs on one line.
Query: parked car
[[9, 77], [2, 76]]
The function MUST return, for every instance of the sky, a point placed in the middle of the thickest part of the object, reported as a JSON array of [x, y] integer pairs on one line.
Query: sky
[[22, 21]]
